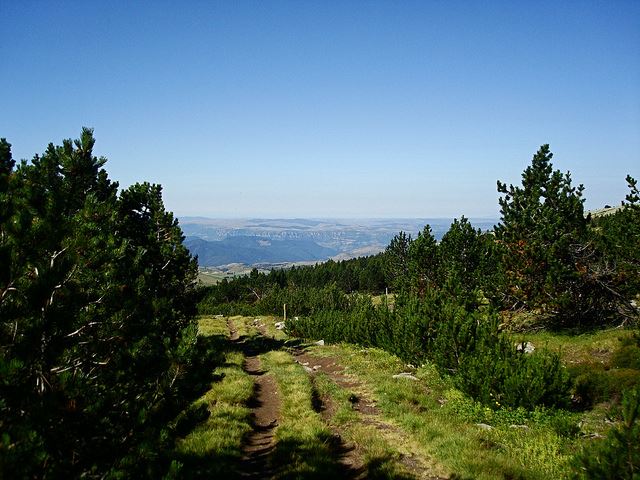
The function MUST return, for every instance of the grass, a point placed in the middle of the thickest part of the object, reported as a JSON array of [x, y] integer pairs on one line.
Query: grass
[[241, 325], [585, 348], [207, 279], [215, 445], [212, 326], [441, 423], [303, 441], [425, 425], [378, 442]]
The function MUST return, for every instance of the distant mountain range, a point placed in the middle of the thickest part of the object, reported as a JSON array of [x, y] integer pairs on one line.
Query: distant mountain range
[[263, 242], [254, 250]]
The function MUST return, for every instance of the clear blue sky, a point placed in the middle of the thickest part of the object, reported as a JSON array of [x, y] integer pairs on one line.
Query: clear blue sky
[[329, 108]]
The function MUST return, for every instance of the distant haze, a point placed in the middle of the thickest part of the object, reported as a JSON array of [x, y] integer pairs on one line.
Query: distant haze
[[275, 242]]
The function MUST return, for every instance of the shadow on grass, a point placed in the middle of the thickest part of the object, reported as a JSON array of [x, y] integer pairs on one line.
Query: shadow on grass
[[316, 457], [326, 457]]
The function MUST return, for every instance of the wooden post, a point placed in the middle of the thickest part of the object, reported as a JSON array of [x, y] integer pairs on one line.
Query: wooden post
[[285, 312]]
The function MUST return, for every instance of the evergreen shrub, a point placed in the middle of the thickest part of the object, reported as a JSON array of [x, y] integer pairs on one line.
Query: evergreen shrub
[[618, 455]]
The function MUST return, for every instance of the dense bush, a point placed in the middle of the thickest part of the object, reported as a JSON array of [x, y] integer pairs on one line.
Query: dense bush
[[618, 455], [299, 301], [97, 327], [627, 355], [601, 385], [618, 235], [466, 345]]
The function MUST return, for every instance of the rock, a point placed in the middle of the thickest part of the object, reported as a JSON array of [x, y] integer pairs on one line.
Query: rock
[[279, 325], [523, 427], [218, 316], [484, 426], [316, 367], [405, 375], [525, 347], [319, 342], [307, 369]]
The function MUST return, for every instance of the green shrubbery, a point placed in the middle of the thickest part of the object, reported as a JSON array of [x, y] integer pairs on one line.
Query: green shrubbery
[[595, 382], [618, 455], [466, 345], [97, 331]]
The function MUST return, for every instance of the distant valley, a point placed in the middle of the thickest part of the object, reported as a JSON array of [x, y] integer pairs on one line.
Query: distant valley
[[232, 245]]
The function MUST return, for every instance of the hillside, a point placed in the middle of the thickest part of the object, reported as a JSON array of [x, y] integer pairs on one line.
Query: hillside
[[250, 250], [269, 241]]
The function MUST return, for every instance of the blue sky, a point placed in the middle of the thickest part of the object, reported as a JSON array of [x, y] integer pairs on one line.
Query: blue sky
[[329, 108]]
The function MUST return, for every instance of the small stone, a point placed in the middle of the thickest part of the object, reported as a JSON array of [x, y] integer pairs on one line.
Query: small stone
[[279, 325], [524, 427], [405, 375], [484, 426], [525, 347], [319, 343], [316, 367], [307, 369]]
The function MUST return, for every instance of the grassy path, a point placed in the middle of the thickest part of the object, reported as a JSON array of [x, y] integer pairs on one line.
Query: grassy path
[[282, 409]]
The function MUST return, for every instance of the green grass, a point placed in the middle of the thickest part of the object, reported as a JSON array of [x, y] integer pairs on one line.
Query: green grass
[[303, 441], [427, 422], [215, 445], [208, 326], [270, 327], [586, 348], [380, 443], [240, 324], [441, 422]]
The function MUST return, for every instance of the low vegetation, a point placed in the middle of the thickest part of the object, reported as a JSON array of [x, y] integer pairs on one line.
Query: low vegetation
[[518, 348]]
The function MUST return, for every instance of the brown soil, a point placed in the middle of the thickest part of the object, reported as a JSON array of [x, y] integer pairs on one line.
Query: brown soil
[[265, 408], [265, 405], [335, 372], [233, 333], [265, 411]]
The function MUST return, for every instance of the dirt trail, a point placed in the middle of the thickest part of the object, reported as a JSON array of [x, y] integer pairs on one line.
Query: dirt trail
[[363, 404], [233, 332], [265, 408]]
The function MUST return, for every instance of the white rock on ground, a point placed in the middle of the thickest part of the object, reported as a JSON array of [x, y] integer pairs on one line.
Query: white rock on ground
[[405, 375], [484, 426], [526, 347]]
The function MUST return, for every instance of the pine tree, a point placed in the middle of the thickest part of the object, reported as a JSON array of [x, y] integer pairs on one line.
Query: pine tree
[[544, 233], [397, 262], [423, 262], [96, 319]]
